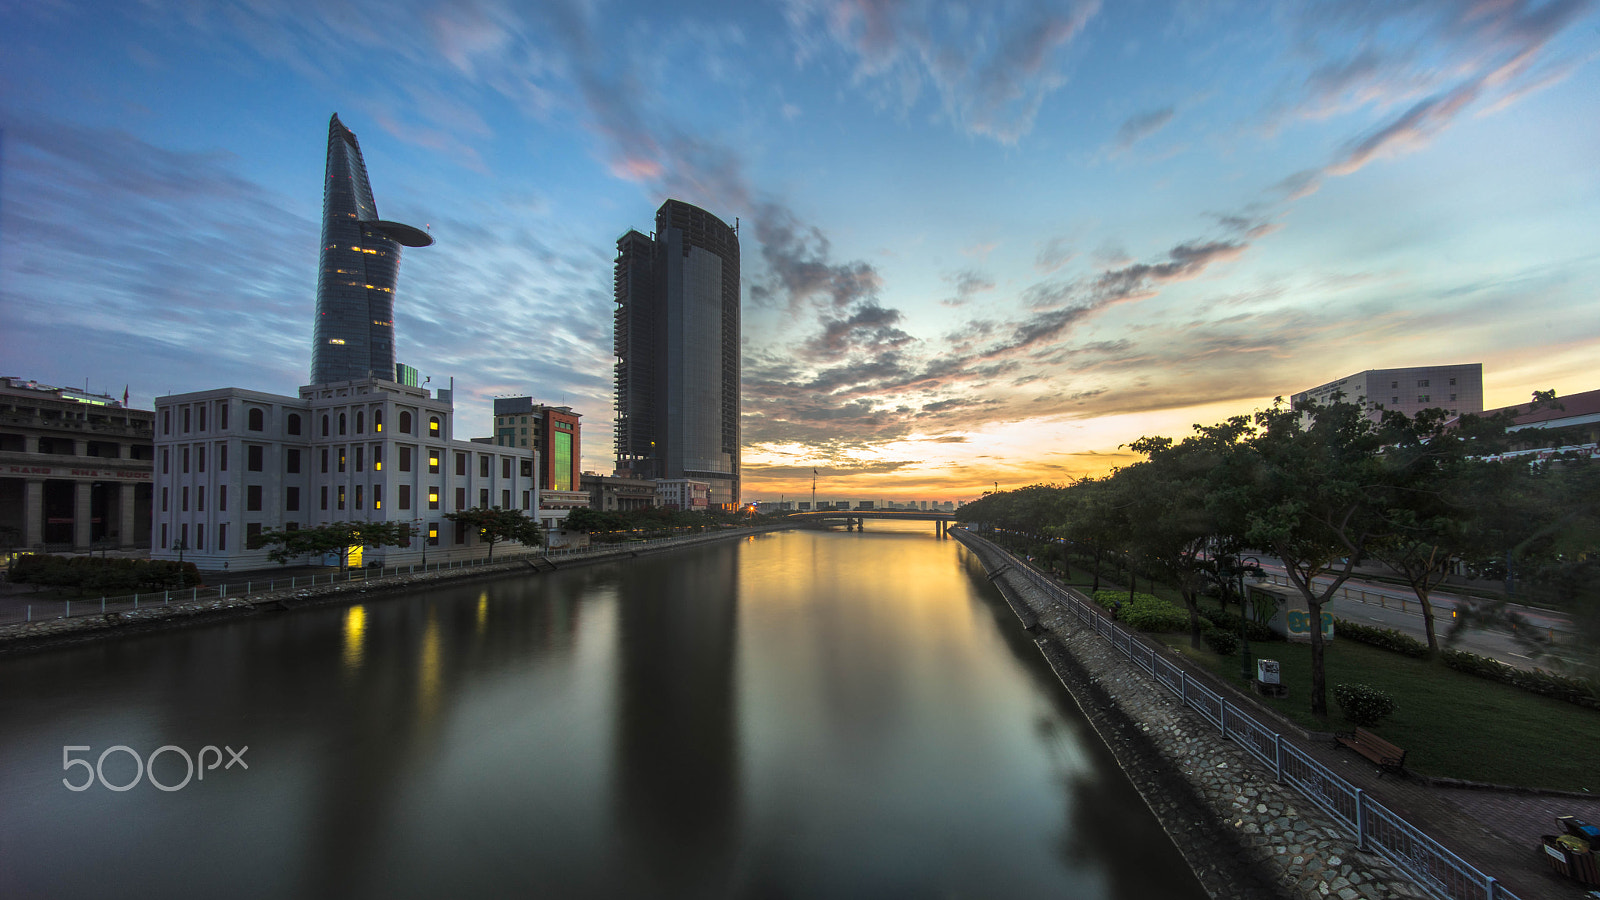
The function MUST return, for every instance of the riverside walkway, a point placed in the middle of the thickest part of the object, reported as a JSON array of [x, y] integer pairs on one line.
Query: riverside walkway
[[1491, 833]]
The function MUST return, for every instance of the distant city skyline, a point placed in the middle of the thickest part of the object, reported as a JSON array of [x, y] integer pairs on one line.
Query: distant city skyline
[[980, 244]]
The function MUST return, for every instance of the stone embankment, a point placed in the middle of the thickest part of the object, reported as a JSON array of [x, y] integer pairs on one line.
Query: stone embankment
[[1244, 835], [51, 633]]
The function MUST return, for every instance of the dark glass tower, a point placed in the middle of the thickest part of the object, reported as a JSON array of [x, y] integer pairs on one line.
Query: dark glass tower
[[354, 333], [677, 347]]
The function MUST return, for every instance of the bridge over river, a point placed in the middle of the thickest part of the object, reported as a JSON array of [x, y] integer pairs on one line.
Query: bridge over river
[[854, 519]]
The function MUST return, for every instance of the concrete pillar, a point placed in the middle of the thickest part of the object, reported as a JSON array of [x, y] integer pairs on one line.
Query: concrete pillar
[[79, 448], [81, 509], [33, 509], [125, 515], [30, 443]]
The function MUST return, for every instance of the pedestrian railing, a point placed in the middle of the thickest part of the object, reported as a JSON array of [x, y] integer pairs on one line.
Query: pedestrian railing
[[130, 603], [1427, 862]]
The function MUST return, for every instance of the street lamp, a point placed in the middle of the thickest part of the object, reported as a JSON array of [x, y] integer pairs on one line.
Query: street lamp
[[1244, 622]]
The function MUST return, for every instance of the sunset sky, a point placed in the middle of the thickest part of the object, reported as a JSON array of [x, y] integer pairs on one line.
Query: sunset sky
[[981, 243]]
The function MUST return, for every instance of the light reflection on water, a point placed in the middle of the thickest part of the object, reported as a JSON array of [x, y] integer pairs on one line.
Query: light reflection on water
[[798, 714]]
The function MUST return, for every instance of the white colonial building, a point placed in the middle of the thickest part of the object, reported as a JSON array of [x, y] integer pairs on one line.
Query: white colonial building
[[232, 463]]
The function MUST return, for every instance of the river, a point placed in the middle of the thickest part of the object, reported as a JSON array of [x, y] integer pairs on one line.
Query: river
[[794, 714]]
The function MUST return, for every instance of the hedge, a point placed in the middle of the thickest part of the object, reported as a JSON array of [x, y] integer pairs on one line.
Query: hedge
[[1576, 691], [1229, 621], [1385, 638], [90, 573]]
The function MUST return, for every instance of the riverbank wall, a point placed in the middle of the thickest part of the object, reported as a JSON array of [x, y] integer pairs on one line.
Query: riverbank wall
[[1243, 834], [50, 634]]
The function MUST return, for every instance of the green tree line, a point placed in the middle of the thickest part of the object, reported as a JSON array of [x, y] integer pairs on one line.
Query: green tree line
[[1323, 488]]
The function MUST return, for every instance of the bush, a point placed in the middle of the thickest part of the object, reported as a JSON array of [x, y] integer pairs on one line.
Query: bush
[[1147, 612], [1576, 691], [1363, 705], [1222, 643], [103, 576], [1384, 638], [1229, 621]]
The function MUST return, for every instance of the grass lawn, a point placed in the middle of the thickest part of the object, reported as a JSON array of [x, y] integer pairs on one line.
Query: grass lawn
[[1451, 724]]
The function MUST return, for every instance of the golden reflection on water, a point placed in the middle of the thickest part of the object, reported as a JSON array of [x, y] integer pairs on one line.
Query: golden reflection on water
[[483, 611], [428, 669], [355, 634]]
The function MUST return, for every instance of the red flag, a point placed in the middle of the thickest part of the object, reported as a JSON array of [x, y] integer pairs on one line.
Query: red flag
[[124, 395]]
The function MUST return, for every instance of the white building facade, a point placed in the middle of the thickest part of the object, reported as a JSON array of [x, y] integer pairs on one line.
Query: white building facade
[[232, 463]]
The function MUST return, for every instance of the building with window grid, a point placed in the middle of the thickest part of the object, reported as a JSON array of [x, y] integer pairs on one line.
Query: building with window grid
[[554, 431], [677, 348]]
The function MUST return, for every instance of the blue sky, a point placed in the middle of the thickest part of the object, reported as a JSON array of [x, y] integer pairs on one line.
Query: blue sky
[[985, 243]]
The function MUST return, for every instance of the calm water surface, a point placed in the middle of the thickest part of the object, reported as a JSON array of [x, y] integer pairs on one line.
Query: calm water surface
[[800, 714]]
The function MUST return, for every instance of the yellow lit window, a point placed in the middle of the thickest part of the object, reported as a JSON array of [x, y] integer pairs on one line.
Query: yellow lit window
[[336, 340], [377, 466], [377, 504], [433, 496]]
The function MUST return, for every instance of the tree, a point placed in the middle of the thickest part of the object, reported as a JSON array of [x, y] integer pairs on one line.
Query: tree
[[1428, 517], [1312, 500], [1171, 524], [339, 538], [495, 525]]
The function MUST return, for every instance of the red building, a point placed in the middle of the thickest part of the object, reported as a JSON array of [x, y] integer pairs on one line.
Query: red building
[[553, 431]]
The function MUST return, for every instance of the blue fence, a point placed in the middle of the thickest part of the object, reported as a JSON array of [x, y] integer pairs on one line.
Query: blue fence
[[1375, 827]]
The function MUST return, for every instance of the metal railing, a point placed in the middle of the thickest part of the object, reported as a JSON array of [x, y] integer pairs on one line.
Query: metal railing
[[46, 610], [1431, 865]]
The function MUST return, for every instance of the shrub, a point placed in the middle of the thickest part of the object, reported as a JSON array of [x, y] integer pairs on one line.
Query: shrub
[[1147, 612], [1222, 643], [104, 576], [1363, 705], [1576, 691], [1385, 638], [1229, 621]]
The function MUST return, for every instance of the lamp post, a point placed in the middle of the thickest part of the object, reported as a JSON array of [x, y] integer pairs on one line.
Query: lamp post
[[1244, 622]]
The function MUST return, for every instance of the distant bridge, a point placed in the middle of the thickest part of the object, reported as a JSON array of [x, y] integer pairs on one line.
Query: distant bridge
[[852, 518]]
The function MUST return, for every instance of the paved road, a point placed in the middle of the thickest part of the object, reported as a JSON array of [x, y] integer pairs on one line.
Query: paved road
[[1391, 606]]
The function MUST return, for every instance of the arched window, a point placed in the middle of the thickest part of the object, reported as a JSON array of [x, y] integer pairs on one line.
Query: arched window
[[433, 426], [405, 422], [377, 420], [293, 424], [361, 422], [341, 423], [324, 425], [257, 420]]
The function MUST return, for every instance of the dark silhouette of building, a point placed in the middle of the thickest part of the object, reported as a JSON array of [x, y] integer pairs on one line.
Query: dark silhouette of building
[[354, 333], [677, 347]]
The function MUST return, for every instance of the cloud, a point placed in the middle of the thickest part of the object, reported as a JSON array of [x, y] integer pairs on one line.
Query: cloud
[[1492, 52], [969, 283], [870, 329], [1053, 254], [1137, 128], [991, 66]]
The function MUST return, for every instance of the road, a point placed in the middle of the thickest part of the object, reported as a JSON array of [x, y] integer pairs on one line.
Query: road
[[1391, 606]]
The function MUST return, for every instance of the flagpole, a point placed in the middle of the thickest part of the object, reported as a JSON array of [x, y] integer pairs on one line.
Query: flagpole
[[813, 490]]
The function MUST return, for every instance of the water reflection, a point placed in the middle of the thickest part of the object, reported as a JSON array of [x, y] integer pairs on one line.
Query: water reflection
[[804, 714], [677, 783]]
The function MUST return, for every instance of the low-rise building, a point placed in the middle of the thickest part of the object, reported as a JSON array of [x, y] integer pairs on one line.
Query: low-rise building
[[231, 463], [683, 493], [75, 470], [1458, 389], [611, 493]]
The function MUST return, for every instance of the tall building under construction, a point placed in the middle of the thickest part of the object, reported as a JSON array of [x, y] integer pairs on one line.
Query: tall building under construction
[[677, 348]]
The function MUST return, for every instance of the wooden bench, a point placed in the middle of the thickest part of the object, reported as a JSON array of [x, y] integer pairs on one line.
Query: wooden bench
[[1388, 757]]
